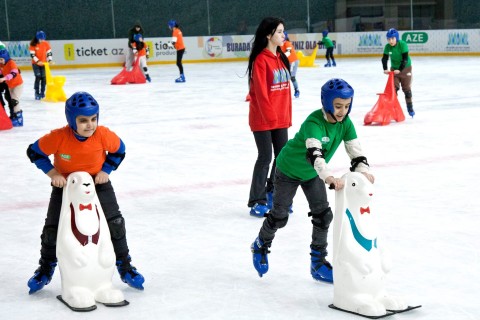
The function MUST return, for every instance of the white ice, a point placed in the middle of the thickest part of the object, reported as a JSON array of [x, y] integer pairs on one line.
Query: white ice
[[183, 190]]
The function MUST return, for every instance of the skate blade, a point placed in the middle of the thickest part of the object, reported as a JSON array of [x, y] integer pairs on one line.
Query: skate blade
[[389, 312], [116, 304], [86, 309]]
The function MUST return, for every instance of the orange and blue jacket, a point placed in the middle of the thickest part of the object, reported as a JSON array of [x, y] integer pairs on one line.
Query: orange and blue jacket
[[177, 39], [103, 151], [11, 73], [289, 51], [41, 52], [141, 47]]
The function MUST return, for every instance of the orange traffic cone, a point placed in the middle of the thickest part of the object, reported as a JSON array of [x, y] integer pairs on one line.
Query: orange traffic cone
[[387, 107], [5, 122]]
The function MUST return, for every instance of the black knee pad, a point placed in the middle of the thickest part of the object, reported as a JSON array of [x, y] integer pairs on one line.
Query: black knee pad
[[145, 69], [408, 94], [293, 79], [322, 219], [49, 236], [14, 103], [276, 223], [117, 228]]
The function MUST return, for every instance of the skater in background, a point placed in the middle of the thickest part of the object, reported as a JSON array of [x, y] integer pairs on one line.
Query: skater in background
[[11, 83], [177, 44], [328, 44], [130, 54], [41, 52], [303, 162], [270, 113], [400, 64], [82, 145], [141, 50], [290, 52]]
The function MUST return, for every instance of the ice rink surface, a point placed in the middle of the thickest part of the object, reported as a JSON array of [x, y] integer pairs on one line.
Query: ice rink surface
[[183, 190]]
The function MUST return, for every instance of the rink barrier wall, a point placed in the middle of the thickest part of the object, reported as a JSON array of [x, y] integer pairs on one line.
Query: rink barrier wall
[[111, 52]]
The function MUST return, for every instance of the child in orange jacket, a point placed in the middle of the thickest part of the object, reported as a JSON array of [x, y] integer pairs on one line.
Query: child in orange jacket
[[41, 52], [11, 78], [141, 50], [290, 52], [83, 145], [177, 43]]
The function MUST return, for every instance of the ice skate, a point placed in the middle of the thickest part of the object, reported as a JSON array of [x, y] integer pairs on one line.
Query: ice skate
[[259, 210], [17, 119], [180, 79], [320, 268], [410, 110], [129, 273], [42, 276], [260, 258]]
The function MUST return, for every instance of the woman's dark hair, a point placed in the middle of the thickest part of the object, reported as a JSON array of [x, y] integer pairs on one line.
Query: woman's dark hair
[[268, 26]]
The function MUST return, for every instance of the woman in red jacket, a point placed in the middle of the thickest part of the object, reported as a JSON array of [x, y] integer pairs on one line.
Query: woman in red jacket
[[270, 107]]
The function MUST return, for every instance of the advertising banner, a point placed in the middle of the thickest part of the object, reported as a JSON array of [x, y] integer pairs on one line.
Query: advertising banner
[[111, 52]]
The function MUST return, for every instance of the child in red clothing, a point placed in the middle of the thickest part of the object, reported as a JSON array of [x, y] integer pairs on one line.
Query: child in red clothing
[[81, 146], [41, 52], [11, 78]]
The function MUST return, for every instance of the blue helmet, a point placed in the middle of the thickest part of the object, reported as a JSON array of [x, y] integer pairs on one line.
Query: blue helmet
[[80, 104], [4, 55], [172, 23], [286, 35], [393, 33], [335, 88], [137, 37], [325, 32], [41, 35]]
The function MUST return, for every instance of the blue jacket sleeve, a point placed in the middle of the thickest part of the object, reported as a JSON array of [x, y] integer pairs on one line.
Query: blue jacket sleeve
[[40, 159], [114, 159]]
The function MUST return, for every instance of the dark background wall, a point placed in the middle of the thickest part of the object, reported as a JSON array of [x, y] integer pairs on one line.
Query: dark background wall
[[102, 19]]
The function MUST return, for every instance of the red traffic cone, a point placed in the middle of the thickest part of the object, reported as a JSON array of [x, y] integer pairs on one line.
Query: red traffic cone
[[387, 107], [5, 122], [133, 76], [136, 75]]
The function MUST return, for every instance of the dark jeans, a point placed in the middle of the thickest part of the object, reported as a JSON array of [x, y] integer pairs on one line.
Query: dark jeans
[[329, 54], [40, 79], [108, 201], [283, 194], [264, 140], [179, 60]]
